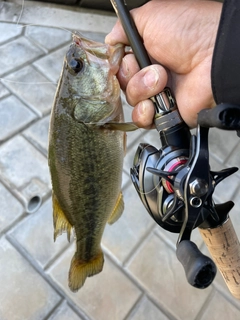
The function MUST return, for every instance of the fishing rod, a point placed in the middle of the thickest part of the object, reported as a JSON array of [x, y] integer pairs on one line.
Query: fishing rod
[[175, 182]]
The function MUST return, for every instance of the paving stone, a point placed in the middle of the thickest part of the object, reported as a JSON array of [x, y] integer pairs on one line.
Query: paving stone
[[76, 18], [64, 312], [234, 159], [235, 213], [3, 90], [13, 30], [126, 180], [221, 286], [10, 208], [152, 137], [215, 164], [15, 156], [218, 308], [47, 37], [51, 65], [133, 137], [133, 140], [221, 143], [32, 88], [127, 108], [172, 238], [37, 134], [24, 294], [14, 115], [16, 53], [23, 168], [95, 36], [157, 269], [123, 236], [226, 189], [147, 310], [37, 238], [103, 296]]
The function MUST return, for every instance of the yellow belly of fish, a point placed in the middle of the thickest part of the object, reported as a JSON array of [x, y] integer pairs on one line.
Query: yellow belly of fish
[[86, 170]]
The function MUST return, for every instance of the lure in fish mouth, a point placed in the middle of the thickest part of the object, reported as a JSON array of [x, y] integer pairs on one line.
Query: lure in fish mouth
[[86, 150]]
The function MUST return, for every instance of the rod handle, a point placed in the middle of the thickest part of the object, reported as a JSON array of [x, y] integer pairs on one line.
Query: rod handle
[[223, 245]]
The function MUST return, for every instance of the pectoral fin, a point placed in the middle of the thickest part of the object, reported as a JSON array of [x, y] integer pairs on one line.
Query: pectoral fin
[[60, 222], [118, 210], [121, 126]]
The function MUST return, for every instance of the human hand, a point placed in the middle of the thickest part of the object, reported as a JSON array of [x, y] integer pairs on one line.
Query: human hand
[[180, 37]]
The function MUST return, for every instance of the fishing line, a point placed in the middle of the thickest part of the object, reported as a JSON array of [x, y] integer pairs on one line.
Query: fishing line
[[21, 82], [21, 12], [26, 25], [156, 186], [145, 193], [39, 25]]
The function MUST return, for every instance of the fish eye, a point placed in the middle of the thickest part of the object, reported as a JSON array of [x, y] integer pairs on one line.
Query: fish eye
[[76, 64]]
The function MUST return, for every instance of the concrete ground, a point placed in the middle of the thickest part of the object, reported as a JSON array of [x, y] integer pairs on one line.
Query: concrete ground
[[142, 278]]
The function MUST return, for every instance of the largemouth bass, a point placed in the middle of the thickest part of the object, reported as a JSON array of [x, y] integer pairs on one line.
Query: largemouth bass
[[86, 151]]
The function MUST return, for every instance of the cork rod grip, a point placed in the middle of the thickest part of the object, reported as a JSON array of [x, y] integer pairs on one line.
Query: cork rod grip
[[224, 247]]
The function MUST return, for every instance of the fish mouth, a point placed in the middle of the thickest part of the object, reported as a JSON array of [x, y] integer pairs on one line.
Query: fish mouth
[[98, 53]]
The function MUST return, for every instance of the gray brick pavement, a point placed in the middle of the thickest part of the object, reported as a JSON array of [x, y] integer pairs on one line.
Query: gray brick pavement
[[16, 53], [41, 248], [15, 116], [48, 38], [142, 278], [37, 134], [28, 85], [8, 217], [3, 91], [64, 312], [33, 297]]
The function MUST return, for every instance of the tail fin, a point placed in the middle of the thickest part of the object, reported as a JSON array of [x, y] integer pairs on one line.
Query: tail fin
[[80, 270]]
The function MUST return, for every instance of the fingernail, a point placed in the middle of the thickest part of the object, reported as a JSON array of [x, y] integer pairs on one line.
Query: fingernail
[[144, 113], [150, 78], [142, 108], [125, 68]]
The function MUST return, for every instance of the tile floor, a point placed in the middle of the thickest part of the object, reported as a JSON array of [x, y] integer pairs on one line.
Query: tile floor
[[142, 278]]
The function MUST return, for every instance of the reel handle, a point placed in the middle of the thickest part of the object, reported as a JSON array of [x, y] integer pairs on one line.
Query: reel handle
[[200, 270], [223, 245]]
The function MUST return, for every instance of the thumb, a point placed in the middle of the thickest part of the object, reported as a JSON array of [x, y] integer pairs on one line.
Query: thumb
[[117, 35]]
